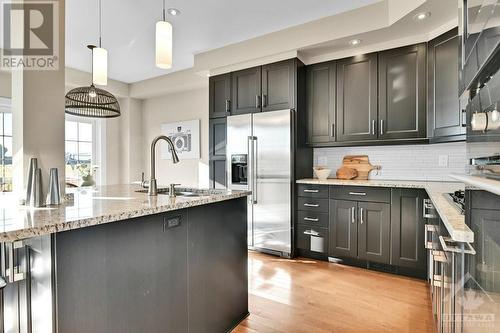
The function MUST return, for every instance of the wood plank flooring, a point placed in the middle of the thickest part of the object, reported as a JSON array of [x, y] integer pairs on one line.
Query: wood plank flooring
[[305, 295]]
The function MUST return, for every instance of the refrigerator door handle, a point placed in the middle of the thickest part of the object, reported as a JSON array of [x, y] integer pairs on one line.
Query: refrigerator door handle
[[254, 169]]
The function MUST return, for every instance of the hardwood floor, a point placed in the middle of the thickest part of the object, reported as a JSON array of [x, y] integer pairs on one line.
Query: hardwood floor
[[305, 295]]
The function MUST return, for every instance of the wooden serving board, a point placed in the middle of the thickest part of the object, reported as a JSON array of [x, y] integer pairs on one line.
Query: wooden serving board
[[361, 164]]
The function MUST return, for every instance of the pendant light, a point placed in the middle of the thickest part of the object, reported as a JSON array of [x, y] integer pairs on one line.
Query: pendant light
[[100, 58], [164, 42], [90, 101]]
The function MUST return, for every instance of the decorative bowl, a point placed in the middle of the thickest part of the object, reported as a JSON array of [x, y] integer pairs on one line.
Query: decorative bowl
[[322, 173]]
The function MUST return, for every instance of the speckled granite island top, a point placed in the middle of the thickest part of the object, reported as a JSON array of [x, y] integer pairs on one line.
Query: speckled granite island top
[[451, 217], [94, 206]]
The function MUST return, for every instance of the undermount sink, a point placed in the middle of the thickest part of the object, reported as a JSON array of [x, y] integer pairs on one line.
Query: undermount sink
[[179, 193]]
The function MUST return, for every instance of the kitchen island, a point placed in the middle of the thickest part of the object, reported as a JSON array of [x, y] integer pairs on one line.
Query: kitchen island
[[116, 260]]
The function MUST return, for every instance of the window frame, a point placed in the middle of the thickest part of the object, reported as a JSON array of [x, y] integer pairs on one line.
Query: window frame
[[97, 142], [6, 107]]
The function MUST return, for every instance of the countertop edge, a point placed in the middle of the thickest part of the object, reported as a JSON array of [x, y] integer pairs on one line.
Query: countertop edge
[[482, 183]]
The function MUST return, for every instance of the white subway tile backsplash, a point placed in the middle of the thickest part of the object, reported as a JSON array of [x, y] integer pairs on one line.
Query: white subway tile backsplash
[[405, 162]]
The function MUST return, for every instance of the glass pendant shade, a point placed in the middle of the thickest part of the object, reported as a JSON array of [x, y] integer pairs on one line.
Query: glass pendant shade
[[163, 45], [100, 66]]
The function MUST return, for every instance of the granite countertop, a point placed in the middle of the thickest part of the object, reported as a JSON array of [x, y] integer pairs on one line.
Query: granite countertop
[[481, 183], [94, 206], [449, 214]]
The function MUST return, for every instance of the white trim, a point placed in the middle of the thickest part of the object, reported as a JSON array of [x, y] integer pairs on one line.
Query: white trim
[[5, 105], [98, 144]]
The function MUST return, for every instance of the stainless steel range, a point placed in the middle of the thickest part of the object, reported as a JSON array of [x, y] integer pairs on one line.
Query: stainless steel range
[[477, 308]]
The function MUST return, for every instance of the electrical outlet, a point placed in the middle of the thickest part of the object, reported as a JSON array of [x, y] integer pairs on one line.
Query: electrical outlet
[[443, 161], [322, 161]]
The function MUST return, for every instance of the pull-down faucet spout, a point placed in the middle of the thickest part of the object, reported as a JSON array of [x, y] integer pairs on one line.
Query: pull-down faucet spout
[[153, 187]]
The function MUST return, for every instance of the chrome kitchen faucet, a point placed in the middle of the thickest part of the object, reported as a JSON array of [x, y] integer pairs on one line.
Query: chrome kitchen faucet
[[153, 187]]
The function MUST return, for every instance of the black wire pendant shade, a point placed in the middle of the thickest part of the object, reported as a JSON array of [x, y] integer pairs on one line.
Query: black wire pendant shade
[[92, 102]]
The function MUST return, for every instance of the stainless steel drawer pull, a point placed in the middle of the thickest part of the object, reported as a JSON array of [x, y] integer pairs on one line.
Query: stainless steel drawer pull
[[311, 191], [311, 233], [357, 193], [311, 205], [310, 219]]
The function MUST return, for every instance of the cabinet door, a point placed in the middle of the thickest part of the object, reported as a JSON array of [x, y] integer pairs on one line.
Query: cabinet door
[[320, 100], [407, 224], [357, 98], [217, 172], [219, 96], [246, 91], [374, 224], [402, 103], [445, 117], [343, 229], [217, 139], [278, 86]]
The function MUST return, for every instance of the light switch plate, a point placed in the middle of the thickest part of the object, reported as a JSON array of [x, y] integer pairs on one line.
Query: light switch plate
[[443, 161]]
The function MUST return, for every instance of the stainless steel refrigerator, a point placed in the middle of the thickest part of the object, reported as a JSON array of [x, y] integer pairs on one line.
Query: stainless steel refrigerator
[[260, 153]]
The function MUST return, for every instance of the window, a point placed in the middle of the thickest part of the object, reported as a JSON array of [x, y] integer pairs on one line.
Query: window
[[80, 157], [5, 145]]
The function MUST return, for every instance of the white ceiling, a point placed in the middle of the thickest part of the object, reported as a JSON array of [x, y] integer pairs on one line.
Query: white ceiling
[[128, 28]]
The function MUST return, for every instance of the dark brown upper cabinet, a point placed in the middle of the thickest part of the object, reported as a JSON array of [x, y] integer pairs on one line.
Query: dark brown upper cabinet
[[219, 96], [357, 98], [320, 97], [278, 86], [264, 88], [247, 88], [402, 96], [445, 117]]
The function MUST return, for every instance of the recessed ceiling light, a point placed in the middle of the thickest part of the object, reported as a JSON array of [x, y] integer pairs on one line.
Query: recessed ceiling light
[[422, 16], [174, 11], [354, 42]]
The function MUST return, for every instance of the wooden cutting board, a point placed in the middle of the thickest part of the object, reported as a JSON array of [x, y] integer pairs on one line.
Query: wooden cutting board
[[361, 164]]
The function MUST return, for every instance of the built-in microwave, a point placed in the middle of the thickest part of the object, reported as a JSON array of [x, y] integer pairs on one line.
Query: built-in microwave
[[479, 31]]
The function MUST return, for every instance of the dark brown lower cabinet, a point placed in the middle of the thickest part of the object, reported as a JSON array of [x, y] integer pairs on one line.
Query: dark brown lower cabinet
[[312, 238], [360, 230], [374, 223], [407, 224], [343, 229]]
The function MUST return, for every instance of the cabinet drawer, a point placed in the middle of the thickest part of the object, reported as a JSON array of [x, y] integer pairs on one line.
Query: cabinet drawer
[[313, 219], [312, 239], [312, 191], [361, 193], [313, 205]]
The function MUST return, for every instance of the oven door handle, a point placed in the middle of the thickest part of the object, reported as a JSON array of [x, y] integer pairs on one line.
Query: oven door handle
[[467, 249], [429, 228]]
